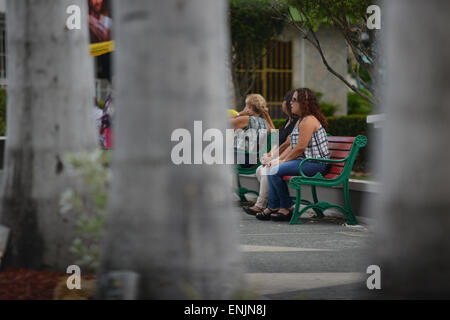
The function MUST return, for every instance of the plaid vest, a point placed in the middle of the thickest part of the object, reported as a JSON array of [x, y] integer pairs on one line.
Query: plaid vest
[[318, 145]]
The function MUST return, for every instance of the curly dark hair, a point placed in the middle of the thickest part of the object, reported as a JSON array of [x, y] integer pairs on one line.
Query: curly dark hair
[[309, 106]]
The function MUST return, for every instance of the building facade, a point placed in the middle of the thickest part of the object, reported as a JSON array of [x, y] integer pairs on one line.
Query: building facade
[[292, 62]]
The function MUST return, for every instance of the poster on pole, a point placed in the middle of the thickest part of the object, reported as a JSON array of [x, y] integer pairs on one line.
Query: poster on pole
[[100, 27]]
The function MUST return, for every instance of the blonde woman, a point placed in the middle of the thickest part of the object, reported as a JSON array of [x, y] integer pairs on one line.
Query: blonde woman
[[252, 122]]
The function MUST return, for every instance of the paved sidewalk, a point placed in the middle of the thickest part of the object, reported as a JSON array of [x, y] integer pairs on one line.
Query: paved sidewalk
[[321, 259]]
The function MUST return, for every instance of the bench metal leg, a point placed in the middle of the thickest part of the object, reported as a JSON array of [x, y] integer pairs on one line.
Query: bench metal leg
[[241, 191], [296, 215], [318, 211], [349, 211], [321, 206]]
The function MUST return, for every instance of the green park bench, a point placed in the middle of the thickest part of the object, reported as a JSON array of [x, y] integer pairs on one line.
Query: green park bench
[[240, 170], [343, 152]]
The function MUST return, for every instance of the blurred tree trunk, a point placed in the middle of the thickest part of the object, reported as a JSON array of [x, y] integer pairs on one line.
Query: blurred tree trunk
[[50, 101], [172, 224], [413, 238]]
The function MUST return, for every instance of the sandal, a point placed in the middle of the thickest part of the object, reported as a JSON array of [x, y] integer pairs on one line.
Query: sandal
[[263, 215], [281, 216], [250, 211]]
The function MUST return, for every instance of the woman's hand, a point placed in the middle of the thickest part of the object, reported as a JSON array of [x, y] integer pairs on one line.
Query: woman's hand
[[275, 162], [266, 158], [244, 112]]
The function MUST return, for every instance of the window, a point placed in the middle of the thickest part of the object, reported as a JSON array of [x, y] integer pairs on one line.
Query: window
[[274, 75]]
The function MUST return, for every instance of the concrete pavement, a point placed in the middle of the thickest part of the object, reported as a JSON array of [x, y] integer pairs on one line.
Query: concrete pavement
[[321, 259]]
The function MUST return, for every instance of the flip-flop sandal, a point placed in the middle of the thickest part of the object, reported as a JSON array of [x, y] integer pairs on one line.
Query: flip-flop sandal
[[250, 211], [278, 216], [265, 216]]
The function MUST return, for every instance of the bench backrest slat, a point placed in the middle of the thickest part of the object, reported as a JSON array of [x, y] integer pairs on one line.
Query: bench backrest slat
[[341, 139], [331, 176], [335, 170], [339, 148], [338, 154]]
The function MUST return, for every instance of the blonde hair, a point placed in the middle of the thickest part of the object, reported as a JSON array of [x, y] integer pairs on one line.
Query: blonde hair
[[257, 102], [259, 105]]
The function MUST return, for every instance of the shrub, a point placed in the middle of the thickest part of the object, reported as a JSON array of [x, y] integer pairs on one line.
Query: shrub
[[328, 109], [358, 105], [86, 203], [351, 125], [278, 123], [339, 126]]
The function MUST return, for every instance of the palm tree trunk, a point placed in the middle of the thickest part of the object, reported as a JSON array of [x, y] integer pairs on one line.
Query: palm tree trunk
[[50, 101], [413, 238], [171, 224]]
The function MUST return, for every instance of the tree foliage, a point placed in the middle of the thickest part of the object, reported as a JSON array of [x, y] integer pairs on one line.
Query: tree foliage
[[350, 18], [254, 23]]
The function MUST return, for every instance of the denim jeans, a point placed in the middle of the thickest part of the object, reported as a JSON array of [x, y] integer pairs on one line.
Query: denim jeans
[[278, 190]]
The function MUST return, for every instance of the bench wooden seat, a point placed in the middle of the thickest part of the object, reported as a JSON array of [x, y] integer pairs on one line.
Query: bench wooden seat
[[343, 152]]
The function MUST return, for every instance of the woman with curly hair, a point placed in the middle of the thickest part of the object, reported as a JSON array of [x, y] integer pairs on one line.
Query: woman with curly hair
[[308, 140]]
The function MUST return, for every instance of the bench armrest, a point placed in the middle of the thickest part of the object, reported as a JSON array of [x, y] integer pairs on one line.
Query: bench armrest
[[318, 175]]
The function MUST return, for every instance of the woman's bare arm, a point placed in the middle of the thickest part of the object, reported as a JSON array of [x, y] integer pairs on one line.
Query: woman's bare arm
[[309, 124], [240, 122]]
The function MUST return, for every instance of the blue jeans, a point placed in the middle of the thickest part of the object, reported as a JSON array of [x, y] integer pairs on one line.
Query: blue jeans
[[278, 190]]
